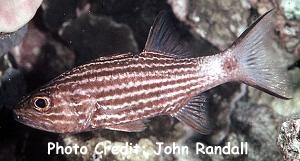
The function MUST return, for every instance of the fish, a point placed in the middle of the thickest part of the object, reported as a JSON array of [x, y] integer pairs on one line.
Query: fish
[[123, 91]]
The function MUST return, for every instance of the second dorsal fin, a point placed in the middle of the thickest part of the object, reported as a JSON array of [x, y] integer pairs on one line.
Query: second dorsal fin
[[165, 38]]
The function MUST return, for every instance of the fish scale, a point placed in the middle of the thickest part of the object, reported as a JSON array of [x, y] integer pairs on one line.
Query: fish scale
[[123, 91], [116, 101]]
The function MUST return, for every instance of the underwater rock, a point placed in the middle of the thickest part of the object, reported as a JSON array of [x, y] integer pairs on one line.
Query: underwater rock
[[180, 8], [12, 83], [257, 125], [57, 12], [289, 33], [27, 52], [41, 57], [95, 36], [286, 107], [209, 19], [291, 9], [263, 6], [53, 59], [222, 100], [13, 87], [14, 14], [100, 149], [288, 138], [138, 15], [9, 40]]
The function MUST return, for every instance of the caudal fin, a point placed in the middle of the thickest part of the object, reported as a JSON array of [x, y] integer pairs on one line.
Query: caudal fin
[[257, 64]]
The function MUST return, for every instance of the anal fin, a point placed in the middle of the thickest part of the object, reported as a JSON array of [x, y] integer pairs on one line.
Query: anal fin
[[135, 126], [195, 114]]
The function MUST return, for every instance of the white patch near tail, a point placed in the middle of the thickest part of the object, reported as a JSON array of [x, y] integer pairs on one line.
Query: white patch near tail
[[256, 64]]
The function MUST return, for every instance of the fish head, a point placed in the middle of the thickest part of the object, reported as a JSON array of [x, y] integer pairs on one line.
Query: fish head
[[45, 111]]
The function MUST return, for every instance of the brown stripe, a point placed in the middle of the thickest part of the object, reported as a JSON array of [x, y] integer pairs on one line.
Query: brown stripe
[[122, 65]]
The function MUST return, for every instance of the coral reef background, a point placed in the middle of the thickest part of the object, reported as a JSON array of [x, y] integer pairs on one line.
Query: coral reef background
[[64, 34]]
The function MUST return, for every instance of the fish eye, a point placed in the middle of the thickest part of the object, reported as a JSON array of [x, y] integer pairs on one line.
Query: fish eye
[[41, 103]]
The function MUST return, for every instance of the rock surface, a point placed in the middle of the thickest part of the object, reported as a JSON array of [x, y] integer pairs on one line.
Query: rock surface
[[209, 19], [288, 139], [94, 36], [14, 14], [9, 40]]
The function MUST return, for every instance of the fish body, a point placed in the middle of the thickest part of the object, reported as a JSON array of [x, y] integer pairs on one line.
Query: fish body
[[122, 91]]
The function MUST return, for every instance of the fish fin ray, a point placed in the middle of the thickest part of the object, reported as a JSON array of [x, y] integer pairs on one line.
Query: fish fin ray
[[254, 54], [164, 37], [135, 126], [195, 114]]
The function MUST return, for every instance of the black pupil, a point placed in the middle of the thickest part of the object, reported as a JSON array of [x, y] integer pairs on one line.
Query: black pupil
[[41, 103]]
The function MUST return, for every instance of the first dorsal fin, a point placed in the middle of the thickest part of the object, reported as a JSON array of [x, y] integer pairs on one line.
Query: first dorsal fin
[[195, 114], [164, 37]]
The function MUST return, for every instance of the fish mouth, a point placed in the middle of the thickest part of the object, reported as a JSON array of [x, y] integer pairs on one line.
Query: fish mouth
[[25, 120]]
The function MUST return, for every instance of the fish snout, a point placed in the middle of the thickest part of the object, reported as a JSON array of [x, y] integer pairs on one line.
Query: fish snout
[[18, 116]]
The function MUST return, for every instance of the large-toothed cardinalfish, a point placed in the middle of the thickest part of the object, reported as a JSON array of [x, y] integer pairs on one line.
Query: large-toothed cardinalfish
[[122, 91]]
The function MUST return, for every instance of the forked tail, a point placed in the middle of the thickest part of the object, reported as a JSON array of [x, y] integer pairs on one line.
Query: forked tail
[[257, 66]]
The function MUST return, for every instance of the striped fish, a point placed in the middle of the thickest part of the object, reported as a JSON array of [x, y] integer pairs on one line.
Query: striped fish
[[122, 91]]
